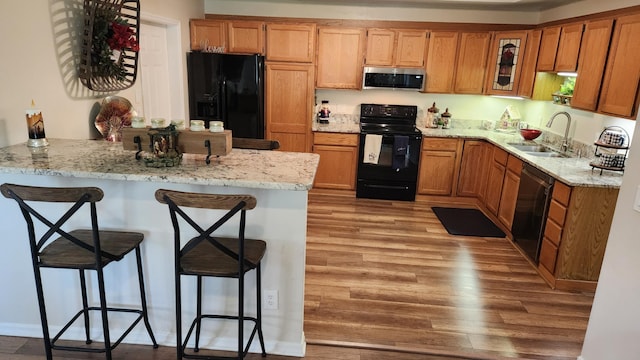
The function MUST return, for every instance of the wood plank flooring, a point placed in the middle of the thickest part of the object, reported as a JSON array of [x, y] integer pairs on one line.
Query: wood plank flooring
[[386, 274], [384, 280]]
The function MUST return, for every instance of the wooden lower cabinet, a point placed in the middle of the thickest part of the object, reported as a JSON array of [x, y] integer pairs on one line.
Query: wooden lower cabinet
[[439, 164], [495, 179], [338, 160], [509, 195], [575, 236], [473, 168]]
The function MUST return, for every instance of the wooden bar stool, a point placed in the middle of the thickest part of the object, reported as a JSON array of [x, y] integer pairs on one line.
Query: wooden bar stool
[[205, 255], [90, 249]]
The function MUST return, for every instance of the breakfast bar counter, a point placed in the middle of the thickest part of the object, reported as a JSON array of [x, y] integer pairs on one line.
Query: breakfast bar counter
[[279, 180]]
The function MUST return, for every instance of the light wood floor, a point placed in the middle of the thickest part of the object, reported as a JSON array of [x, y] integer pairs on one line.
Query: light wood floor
[[384, 280], [387, 274]]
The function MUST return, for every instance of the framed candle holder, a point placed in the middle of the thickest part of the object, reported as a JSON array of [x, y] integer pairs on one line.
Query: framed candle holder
[[163, 150], [35, 129]]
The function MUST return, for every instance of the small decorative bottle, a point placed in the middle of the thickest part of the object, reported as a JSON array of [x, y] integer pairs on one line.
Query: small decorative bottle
[[324, 113], [433, 116], [445, 119]]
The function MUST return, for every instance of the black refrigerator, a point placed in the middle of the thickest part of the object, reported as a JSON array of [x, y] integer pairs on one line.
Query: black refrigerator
[[228, 88]]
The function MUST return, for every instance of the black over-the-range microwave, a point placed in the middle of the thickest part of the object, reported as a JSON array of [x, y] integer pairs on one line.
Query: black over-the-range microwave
[[393, 78]]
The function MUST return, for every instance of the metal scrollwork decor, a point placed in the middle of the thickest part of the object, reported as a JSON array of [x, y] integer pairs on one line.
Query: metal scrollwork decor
[[109, 48]]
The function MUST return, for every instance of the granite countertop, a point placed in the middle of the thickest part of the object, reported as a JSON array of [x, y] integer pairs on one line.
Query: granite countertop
[[573, 171], [97, 159]]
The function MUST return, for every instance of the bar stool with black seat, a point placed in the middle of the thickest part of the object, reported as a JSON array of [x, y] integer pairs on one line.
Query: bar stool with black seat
[[207, 256], [83, 249]]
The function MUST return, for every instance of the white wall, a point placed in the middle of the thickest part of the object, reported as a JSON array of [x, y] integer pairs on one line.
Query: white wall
[[614, 325], [318, 10], [35, 43], [584, 7]]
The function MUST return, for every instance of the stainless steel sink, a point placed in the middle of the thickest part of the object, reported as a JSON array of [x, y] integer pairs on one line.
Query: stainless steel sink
[[537, 150]]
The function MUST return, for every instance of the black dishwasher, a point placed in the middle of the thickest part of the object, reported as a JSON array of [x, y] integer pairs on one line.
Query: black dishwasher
[[534, 197]]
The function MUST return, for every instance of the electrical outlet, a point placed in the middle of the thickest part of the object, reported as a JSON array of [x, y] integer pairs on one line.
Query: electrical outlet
[[271, 299]]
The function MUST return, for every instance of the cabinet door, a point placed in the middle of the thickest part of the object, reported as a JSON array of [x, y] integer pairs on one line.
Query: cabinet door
[[593, 56], [494, 186], [471, 63], [437, 170], [472, 168], [207, 34], [443, 47], [548, 48], [620, 85], [505, 65], [380, 47], [291, 42], [340, 52], [246, 37], [410, 48], [337, 167], [529, 62], [569, 47], [509, 195], [289, 97]]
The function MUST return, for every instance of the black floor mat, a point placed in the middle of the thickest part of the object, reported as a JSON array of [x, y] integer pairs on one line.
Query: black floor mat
[[467, 222]]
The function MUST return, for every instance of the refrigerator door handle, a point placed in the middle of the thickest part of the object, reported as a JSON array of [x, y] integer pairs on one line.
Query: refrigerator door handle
[[222, 103]]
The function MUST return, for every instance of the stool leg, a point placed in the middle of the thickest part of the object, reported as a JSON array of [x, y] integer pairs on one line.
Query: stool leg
[[143, 298], [85, 305], [240, 315], [103, 311], [259, 309], [43, 311], [198, 313], [179, 349]]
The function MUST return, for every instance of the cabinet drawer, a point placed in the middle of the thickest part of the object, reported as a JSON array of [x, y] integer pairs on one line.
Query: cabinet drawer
[[548, 255], [557, 212], [514, 165], [430, 143], [320, 138], [561, 193], [500, 156], [553, 232]]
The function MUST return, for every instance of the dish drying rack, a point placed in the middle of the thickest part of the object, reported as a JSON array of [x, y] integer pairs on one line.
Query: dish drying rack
[[611, 150]]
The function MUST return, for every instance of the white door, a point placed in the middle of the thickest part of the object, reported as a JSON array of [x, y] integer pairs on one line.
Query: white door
[[154, 72]]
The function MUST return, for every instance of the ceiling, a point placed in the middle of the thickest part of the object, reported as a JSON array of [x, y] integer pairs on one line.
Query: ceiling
[[517, 5]]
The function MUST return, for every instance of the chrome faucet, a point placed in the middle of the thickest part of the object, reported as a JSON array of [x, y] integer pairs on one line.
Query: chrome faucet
[[565, 142]]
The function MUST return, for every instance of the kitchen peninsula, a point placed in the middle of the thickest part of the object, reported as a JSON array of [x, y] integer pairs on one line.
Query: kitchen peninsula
[[279, 180]]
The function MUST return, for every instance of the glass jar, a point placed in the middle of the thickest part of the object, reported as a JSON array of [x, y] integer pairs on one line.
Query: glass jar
[[216, 126]]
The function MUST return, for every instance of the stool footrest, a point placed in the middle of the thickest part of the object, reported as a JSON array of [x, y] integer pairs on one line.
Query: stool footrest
[[223, 317], [95, 350]]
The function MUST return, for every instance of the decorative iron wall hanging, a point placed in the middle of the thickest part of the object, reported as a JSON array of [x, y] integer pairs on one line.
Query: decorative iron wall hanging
[[109, 49]]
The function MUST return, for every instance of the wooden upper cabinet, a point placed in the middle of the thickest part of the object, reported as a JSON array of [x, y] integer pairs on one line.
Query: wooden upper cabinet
[[569, 47], [548, 48], [505, 63], [619, 94], [529, 62], [592, 60], [395, 47], [411, 48], [239, 37], [340, 57], [559, 48], [206, 34], [245, 37], [471, 62], [290, 42], [443, 47], [380, 47]]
